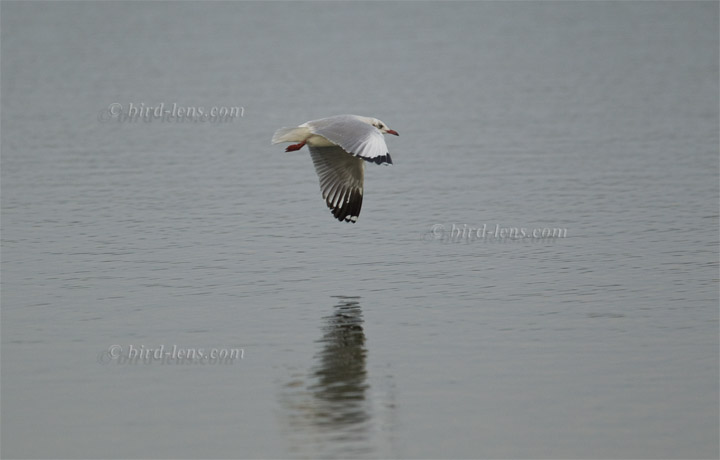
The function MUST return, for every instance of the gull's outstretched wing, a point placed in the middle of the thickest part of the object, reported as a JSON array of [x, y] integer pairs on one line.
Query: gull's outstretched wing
[[355, 136], [341, 181]]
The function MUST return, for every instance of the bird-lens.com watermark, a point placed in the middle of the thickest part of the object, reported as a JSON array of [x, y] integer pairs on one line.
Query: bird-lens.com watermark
[[464, 233], [132, 354], [168, 113]]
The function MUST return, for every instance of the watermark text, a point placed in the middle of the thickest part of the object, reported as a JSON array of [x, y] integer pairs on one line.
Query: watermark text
[[469, 233], [168, 113], [141, 354]]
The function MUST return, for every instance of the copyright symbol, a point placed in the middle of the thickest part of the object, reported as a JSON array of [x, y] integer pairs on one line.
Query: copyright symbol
[[112, 353], [114, 110], [436, 232]]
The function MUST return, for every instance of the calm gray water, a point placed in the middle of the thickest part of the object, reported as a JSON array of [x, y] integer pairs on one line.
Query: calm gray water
[[398, 336]]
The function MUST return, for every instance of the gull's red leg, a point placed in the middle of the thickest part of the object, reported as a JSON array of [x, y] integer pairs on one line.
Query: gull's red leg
[[292, 148]]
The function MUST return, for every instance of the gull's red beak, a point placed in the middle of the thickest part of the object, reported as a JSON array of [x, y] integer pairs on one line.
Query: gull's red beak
[[392, 131]]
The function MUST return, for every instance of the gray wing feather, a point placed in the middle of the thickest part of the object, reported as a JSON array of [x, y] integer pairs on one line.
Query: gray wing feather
[[341, 181], [354, 136]]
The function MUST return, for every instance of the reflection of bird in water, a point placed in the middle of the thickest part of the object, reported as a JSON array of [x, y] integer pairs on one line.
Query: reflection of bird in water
[[341, 374], [333, 410]]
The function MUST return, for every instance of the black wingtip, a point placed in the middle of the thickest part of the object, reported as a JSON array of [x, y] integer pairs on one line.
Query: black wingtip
[[349, 209], [380, 159]]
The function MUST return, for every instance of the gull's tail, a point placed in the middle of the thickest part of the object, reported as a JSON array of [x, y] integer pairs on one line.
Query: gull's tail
[[297, 134]]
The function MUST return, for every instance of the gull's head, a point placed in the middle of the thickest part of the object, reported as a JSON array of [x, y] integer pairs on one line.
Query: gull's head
[[381, 126]]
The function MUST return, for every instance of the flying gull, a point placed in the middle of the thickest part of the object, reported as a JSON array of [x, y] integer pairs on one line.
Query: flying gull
[[339, 147]]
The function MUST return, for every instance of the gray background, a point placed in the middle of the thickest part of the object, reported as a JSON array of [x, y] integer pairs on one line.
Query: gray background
[[377, 339]]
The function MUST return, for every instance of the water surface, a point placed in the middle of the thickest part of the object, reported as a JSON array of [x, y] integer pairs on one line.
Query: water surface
[[384, 338]]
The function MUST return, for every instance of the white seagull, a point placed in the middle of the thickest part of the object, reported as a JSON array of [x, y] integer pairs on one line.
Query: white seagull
[[339, 147]]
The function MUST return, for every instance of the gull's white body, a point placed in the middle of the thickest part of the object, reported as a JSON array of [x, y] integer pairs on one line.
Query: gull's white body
[[339, 146]]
